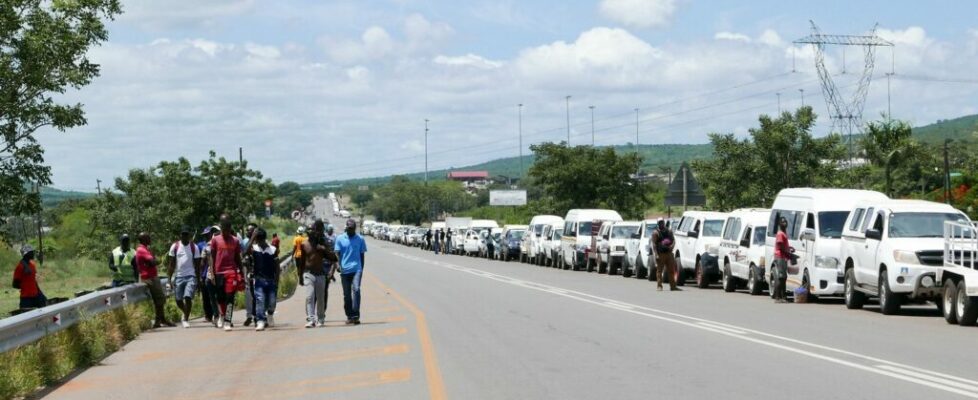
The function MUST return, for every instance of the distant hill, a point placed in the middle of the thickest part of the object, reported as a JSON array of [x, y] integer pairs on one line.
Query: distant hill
[[963, 129], [50, 196], [655, 157]]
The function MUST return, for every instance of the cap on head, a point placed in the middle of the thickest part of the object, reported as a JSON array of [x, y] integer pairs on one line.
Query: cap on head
[[123, 237], [301, 230], [25, 249], [185, 230], [329, 228], [206, 231]]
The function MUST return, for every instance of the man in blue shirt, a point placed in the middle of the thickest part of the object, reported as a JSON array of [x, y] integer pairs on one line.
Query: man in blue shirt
[[351, 248]]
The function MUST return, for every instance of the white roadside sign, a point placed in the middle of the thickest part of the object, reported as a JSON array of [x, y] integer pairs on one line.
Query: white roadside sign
[[507, 197]]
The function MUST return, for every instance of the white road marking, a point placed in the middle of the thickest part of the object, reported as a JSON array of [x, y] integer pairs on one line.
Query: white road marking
[[906, 373]]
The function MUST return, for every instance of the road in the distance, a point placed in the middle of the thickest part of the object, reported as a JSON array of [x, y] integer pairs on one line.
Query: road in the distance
[[516, 331]]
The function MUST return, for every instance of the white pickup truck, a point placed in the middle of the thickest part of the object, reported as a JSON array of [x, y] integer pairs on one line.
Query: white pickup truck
[[742, 249], [638, 260], [892, 250], [959, 273]]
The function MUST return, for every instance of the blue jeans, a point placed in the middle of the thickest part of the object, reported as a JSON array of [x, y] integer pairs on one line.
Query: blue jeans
[[437, 247], [351, 294], [266, 291]]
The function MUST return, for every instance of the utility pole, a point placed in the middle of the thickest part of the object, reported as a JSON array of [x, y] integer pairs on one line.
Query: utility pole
[[426, 152], [947, 174], [592, 125], [568, 120], [98, 186], [519, 112], [40, 237], [889, 112], [240, 155], [779, 102], [802, 96], [636, 129]]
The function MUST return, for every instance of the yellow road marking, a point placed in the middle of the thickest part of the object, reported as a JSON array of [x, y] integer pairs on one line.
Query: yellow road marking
[[310, 386], [436, 386]]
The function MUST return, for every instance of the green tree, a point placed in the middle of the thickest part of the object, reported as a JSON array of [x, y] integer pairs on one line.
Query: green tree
[[43, 53], [886, 144], [588, 177], [780, 153]]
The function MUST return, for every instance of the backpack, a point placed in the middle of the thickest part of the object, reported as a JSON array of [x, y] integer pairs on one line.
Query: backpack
[[192, 246]]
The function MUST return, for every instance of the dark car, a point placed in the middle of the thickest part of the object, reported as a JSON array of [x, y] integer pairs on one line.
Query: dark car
[[509, 243]]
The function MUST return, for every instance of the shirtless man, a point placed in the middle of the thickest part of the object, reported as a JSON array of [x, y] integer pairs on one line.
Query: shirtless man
[[312, 274]]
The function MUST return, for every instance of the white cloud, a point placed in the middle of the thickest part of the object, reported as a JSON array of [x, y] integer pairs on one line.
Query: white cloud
[[731, 36], [639, 13], [468, 60], [771, 38]]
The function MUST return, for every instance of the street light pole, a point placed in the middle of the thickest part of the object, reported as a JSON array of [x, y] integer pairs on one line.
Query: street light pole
[[636, 129], [426, 152], [568, 120], [519, 111], [592, 125]]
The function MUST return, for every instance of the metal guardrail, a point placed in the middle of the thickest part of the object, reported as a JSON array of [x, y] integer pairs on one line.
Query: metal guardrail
[[33, 325]]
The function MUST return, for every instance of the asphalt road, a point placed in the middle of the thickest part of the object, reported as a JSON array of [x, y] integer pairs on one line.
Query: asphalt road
[[457, 327]]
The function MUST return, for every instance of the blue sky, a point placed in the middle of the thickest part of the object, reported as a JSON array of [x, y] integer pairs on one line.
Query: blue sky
[[319, 90]]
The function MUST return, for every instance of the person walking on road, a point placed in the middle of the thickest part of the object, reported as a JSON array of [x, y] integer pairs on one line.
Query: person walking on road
[[312, 274], [247, 264], [300, 236], [122, 263], [266, 267], [427, 240], [25, 279], [448, 243], [663, 242], [782, 252], [207, 290], [436, 246], [148, 264], [184, 259], [225, 274], [276, 243], [351, 249]]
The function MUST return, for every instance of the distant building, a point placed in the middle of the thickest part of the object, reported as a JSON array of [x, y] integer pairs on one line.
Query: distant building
[[470, 179]]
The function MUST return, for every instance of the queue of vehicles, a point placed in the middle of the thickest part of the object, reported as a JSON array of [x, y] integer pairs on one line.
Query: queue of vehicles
[[854, 244]]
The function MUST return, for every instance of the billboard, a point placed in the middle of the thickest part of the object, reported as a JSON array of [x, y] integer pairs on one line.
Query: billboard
[[507, 197]]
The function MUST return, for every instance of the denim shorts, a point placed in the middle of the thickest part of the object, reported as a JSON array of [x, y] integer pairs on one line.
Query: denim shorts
[[185, 286]]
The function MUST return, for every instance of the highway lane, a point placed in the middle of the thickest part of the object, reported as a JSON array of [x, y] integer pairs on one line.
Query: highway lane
[[509, 330]]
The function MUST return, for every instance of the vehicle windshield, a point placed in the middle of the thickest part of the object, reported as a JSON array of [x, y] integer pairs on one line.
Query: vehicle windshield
[[649, 228], [623, 232], [713, 228], [558, 233], [759, 233], [830, 223], [584, 228], [920, 225], [538, 229], [516, 234]]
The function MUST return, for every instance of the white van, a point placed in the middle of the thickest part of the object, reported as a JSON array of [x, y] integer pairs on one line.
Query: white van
[[638, 258], [533, 240], [742, 249], [697, 246], [576, 239], [614, 240], [815, 221], [893, 249]]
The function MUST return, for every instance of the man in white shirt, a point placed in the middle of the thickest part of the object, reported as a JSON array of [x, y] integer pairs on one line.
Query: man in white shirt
[[184, 259]]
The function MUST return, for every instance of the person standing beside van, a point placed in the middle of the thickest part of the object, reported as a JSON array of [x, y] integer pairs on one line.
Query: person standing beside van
[[663, 242], [782, 251]]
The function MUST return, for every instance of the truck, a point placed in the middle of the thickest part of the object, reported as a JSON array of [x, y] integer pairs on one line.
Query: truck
[[458, 226], [959, 273]]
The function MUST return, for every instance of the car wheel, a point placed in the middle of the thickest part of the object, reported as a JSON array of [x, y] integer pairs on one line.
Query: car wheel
[[639, 268], [729, 282], [854, 298], [967, 306], [889, 301], [626, 272], [950, 301], [753, 286], [702, 281]]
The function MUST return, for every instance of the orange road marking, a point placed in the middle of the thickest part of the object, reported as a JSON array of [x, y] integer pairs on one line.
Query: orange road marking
[[309, 386], [436, 385]]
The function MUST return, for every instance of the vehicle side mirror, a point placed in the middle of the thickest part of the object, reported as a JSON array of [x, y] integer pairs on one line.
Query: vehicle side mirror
[[874, 234], [807, 234], [636, 236], [693, 234], [745, 243]]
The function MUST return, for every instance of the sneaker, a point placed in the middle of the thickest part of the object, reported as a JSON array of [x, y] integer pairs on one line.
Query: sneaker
[[349, 322], [311, 324], [260, 326], [247, 322], [227, 328], [220, 323], [185, 323], [321, 323], [356, 322], [271, 321]]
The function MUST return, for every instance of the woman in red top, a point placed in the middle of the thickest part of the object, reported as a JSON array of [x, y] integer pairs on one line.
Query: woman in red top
[[782, 252], [25, 279]]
